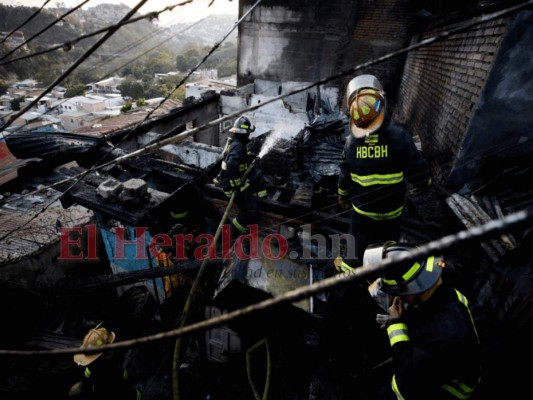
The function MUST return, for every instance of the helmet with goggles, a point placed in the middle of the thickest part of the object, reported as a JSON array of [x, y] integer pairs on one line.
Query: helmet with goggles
[[366, 103]]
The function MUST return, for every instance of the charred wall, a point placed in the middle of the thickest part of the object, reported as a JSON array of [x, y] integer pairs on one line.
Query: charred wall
[[305, 41], [443, 84]]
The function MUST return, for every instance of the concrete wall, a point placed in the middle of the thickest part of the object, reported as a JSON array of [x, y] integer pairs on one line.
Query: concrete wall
[[292, 40], [441, 86]]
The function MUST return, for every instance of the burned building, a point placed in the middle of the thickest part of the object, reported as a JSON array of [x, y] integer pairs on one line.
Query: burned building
[[464, 97]]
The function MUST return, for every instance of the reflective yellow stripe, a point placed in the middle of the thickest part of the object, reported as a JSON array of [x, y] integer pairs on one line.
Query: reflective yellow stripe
[[377, 179], [371, 138], [224, 165], [345, 267], [412, 271], [397, 333], [459, 389], [243, 167], [87, 372], [139, 396], [235, 182], [380, 216], [179, 215], [125, 374], [240, 227], [395, 388], [229, 193], [462, 298], [261, 193], [244, 187], [343, 192]]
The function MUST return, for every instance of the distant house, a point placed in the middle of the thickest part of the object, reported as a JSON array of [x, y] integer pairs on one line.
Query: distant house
[[109, 85], [25, 84], [77, 120], [81, 104], [14, 40]]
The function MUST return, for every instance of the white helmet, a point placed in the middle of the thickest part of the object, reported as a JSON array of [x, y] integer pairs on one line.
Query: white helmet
[[366, 103]]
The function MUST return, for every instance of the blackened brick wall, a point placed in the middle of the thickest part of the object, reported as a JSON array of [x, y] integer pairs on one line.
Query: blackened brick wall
[[441, 86]]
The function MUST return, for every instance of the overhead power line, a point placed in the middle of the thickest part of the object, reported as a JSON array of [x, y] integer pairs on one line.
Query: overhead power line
[[492, 228], [68, 45], [25, 22], [184, 135], [80, 60], [43, 30]]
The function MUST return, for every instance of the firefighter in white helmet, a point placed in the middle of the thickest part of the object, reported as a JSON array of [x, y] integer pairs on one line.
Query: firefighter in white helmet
[[432, 334], [377, 159], [104, 377]]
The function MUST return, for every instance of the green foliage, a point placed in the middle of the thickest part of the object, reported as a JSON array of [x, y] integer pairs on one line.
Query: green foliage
[[126, 107], [15, 103], [3, 88], [140, 102], [75, 90], [131, 88]]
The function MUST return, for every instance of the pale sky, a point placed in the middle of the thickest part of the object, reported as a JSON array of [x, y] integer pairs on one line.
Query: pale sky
[[187, 13]]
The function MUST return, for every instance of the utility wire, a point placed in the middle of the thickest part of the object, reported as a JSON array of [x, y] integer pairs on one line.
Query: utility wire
[[182, 136], [141, 54], [43, 30], [68, 45], [25, 22], [55, 83], [478, 233], [80, 60]]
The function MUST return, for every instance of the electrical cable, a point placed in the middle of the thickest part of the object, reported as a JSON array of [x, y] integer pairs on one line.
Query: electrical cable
[[182, 136], [474, 234], [43, 30], [68, 45], [25, 22], [69, 70]]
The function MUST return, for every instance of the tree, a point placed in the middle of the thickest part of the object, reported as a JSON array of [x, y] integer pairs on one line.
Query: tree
[[3, 88], [75, 90], [15, 103], [131, 88], [126, 107]]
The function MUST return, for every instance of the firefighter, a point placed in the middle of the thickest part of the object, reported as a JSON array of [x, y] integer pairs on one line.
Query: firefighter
[[435, 346], [234, 165], [378, 157], [104, 377]]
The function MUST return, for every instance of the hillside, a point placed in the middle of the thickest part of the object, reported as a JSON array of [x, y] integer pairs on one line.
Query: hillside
[[135, 43]]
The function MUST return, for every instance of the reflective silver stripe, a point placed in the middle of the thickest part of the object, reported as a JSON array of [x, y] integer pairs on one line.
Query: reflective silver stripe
[[397, 333], [380, 216], [377, 179]]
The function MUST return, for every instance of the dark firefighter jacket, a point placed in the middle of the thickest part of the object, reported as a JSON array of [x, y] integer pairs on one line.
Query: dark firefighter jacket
[[235, 165], [436, 352], [374, 169], [106, 379]]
